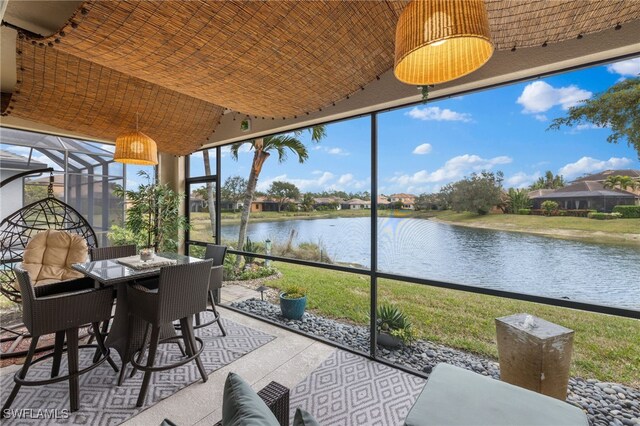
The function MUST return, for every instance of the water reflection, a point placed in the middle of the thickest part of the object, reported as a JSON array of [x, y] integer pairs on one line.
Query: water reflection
[[595, 273]]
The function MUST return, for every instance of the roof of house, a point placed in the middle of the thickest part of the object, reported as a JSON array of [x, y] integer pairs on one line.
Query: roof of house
[[357, 201], [605, 174], [539, 192], [586, 189], [382, 199], [326, 200], [402, 195], [12, 161]]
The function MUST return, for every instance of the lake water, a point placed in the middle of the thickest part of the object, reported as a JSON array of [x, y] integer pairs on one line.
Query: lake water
[[595, 273]]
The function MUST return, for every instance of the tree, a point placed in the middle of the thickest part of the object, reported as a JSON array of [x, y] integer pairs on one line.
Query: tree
[[549, 181], [34, 192], [262, 149], [154, 212], [622, 182], [618, 108], [478, 193], [517, 199], [307, 202], [211, 200], [233, 189], [283, 192]]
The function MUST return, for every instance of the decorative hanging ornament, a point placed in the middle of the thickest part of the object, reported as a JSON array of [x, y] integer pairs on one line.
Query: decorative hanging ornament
[[441, 40]]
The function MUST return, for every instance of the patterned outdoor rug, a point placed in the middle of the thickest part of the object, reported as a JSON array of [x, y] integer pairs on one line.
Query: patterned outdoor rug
[[104, 403], [349, 390]]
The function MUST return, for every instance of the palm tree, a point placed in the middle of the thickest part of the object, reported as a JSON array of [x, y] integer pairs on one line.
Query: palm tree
[[622, 182], [549, 181], [262, 149]]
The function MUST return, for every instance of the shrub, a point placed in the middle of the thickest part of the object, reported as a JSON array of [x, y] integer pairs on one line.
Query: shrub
[[294, 292], [255, 273], [549, 207], [395, 322], [524, 211], [628, 212], [517, 199], [604, 216]]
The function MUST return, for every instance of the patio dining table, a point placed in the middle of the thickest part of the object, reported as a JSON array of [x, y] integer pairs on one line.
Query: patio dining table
[[127, 333]]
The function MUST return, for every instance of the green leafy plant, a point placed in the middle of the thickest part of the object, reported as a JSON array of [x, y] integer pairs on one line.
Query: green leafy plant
[[250, 247], [524, 211], [628, 212], [517, 199], [154, 214], [604, 216], [391, 320], [294, 292], [549, 207]]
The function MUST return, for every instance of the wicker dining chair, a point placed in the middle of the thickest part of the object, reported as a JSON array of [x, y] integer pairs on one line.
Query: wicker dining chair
[[217, 254], [181, 293], [60, 308]]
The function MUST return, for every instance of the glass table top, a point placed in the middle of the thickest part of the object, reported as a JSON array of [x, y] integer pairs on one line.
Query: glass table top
[[112, 272]]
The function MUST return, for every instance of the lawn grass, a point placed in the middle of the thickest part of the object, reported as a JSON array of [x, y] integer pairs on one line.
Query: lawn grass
[[606, 348], [543, 224]]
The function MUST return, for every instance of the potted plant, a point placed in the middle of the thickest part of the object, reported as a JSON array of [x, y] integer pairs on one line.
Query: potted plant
[[393, 327], [293, 301]]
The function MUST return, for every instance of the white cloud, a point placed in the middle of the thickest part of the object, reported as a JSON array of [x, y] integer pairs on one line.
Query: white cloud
[[337, 151], [589, 165], [423, 149], [454, 169], [302, 184], [541, 117], [345, 179], [521, 179], [630, 67], [539, 97], [434, 113]]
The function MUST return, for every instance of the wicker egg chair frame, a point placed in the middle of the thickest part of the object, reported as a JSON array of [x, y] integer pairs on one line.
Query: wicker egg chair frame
[[15, 232]]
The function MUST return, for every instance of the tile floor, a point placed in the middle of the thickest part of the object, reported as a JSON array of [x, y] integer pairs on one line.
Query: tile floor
[[287, 359]]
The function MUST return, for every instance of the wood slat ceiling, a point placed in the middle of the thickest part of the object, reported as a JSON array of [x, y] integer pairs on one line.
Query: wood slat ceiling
[[182, 62]]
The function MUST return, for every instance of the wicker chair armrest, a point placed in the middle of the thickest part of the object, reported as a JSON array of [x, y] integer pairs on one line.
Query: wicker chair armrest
[[70, 286], [60, 311], [276, 396]]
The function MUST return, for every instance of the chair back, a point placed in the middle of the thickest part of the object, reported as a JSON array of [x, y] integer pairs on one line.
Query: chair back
[[48, 256], [216, 253], [28, 295], [182, 290], [113, 252]]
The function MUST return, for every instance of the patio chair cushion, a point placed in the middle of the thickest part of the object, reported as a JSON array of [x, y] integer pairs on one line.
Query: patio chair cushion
[[303, 418], [48, 256], [241, 405]]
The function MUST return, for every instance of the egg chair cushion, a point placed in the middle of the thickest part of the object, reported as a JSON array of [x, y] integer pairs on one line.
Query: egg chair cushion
[[49, 255]]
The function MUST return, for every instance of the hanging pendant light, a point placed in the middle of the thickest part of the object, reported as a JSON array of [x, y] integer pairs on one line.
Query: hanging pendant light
[[136, 148], [441, 40]]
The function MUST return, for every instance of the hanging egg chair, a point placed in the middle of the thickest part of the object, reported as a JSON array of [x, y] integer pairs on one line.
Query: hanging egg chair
[[17, 229]]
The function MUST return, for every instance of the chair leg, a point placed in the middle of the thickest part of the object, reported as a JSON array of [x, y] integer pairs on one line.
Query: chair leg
[[153, 347], [194, 348], [215, 312], [104, 331], [57, 354], [102, 349], [144, 346], [22, 375], [72, 355], [127, 347]]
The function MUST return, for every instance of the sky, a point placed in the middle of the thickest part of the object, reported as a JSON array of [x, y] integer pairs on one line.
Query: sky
[[424, 147]]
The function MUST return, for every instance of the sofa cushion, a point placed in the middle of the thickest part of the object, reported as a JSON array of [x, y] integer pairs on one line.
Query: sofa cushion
[[303, 418], [48, 256], [241, 405]]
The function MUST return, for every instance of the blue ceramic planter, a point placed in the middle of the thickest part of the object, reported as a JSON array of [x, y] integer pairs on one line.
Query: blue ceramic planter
[[292, 308]]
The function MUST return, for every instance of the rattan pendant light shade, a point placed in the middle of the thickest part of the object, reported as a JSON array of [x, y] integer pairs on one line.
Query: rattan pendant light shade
[[441, 40], [136, 148]]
